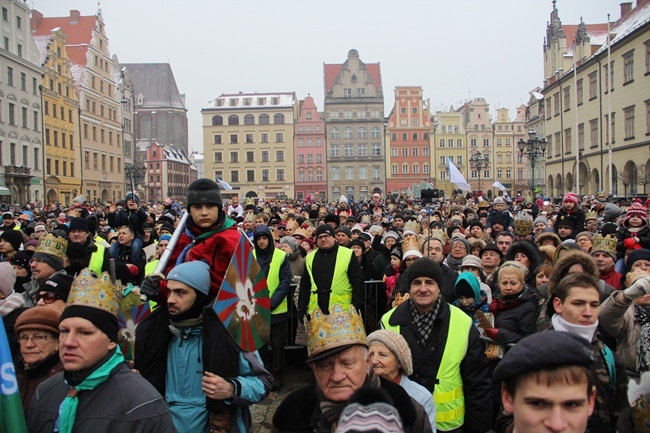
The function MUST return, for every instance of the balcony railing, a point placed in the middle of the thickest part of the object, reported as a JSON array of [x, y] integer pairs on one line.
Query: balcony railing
[[18, 170]]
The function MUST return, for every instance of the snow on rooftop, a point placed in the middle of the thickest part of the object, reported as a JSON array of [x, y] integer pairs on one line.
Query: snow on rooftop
[[636, 18], [537, 95], [252, 100], [42, 43]]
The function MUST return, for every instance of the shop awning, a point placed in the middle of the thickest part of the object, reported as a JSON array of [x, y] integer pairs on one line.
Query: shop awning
[[4, 191]]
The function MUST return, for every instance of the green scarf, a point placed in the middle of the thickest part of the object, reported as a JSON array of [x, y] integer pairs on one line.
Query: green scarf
[[68, 408], [226, 225]]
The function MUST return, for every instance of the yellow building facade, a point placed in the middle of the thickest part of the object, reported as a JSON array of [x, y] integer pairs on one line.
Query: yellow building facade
[[248, 143], [60, 121], [449, 141]]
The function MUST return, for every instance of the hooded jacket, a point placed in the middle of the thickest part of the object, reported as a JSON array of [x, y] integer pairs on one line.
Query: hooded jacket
[[264, 258], [531, 251]]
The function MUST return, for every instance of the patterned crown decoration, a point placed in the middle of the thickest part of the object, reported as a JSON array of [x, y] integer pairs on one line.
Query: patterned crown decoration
[[53, 245], [90, 290], [523, 224], [413, 226], [606, 244], [366, 219], [339, 328], [410, 243], [591, 216]]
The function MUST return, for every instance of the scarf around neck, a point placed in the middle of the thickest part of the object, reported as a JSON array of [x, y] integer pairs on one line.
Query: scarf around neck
[[585, 331], [68, 408], [642, 317]]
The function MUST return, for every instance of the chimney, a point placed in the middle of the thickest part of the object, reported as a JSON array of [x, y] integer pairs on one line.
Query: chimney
[[74, 16], [625, 8], [36, 20]]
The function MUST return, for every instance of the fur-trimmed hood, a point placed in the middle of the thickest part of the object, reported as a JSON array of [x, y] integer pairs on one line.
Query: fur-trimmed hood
[[528, 248]]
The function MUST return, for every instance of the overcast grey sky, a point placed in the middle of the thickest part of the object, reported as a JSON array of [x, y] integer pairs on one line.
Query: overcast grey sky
[[454, 49]]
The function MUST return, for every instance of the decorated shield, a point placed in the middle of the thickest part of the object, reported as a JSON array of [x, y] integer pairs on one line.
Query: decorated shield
[[243, 303], [128, 321]]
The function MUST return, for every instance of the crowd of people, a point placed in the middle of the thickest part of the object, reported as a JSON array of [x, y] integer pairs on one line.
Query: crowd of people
[[461, 315]]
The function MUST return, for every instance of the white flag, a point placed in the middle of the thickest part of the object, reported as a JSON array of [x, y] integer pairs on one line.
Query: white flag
[[499, 185], [457, 178], [224, 184]]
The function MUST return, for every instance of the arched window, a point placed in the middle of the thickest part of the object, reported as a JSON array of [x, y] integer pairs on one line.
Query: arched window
[[334, 133], [233, 119], [278, 119], [362, 132], [217, 120], [264, 119], [249, 119], [348, 132], [375, 132]]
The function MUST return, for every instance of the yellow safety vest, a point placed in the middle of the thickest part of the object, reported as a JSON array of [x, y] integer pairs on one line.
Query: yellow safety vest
[[341, 289], [149, 267], [273, 278], [97, 259], [448, 393]]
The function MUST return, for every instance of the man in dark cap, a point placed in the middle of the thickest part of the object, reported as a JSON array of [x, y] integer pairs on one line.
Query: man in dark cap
[[131, 216], [343, 236], [543, 387], [9, 222], [10, 242], [46, 261], [459, 380], [332, 275], [209, 236], [97, 257]]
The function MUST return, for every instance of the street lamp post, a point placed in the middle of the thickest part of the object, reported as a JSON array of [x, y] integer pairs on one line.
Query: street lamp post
[[136, 173], [534, 149], [478, 162]]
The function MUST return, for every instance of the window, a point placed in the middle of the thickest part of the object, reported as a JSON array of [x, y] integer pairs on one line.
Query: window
[[347, 114], [581, 136], [459, 159], [217, 139], [520, 174], [375, 132], [23, 80], [593, 85], [443, 160], [319, 158], [279, 155], [348, 133], [498, 142], [301, 142], [486, 142], [347, 93], [264, 137], [249, 119], [334, 115], [499, 174], [362, 132], [278, 119], [233, 138], [19, 22], [336, 173], [12, 114], [233, 119], [335, 150], [250, 175], [415, 151], [425, 151], [394, 169], [301, 159], [87, 159], [361, 114], [309, 142], [416, 169], [376, 171], [499, 158], [405, 169], [376, 149], [24, 117], [10, 75], [250, 156], [472, 142], [265, 156], [450, 142], [629, 122], [310, 159], [363, 149], [264, 119], [348, 150], [349, 173], [334, 133], [443, 175], [234, 176], [363, 172], [5, 14], [393, 152], [405, 151], [301, 176], [265, 175], [507, 142], [319, 142], [249, 138], [567, 98], [361, 92], [279, 137], [647, 56], [567, 140], [556, 103], [628, 67], [459, 143], [103, 162], [442, 142], [217, 157]]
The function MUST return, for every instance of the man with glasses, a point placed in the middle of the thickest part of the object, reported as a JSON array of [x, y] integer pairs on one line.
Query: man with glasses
[[332, 275], [53, 293], [46, 261]]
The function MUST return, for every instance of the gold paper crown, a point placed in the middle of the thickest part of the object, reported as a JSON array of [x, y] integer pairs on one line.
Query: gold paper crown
[[88, 290], [591, 216], [366, 219], [52, 245], [523, 224], [339, 328], [606, 244], [413, 226], [410, 244]]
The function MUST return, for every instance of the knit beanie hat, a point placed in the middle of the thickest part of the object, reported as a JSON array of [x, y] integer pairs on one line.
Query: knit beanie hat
[[13, 237], [195, 274], [59, 284], [570, 197], [540, 219], [424, 267], [7, 278], [132, 196], [636, 210], [611, 211], [370, 416], [635, 255], [291, 241], [324, 229], [463, 288], [166, 237], [397, 253], [497, 218], [345, 230], [499, 200], [586, 234], [204, 191], [38, 318], [397, 344], [456, 238], [22, 258], [475, 223], [79, 223]]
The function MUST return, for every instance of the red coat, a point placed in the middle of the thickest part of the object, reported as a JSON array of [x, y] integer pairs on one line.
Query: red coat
[[217, 250]]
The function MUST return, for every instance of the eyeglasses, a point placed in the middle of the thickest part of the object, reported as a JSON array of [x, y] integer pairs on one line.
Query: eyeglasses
[[36, 339], [323, 236], [411, 259], [47, 297]]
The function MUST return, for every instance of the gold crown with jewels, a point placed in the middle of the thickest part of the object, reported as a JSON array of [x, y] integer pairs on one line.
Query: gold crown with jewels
[[412, 225], [329, 331], [90, 290], [605, 244], [591, 215], [52, 245], [523, 224]]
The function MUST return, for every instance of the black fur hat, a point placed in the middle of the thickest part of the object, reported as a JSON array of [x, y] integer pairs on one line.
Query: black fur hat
[[204, 191]]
